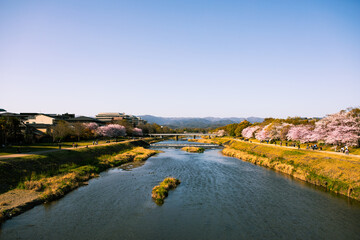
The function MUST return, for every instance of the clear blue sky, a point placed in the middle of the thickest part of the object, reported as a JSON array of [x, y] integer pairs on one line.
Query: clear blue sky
[[180, 58]]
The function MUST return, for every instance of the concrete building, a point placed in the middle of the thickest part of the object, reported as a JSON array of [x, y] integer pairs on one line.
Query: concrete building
[[41, 119], [84, 119], [111, 117], [43, 122]]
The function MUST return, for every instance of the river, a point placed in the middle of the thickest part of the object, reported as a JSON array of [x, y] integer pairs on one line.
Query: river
[[219, 198]]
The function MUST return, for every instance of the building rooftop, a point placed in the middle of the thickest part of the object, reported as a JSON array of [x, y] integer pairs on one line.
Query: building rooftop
[[110, 114], [83, 119]]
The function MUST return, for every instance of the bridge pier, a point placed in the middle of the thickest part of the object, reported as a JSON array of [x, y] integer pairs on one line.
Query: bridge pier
[[177, 138]]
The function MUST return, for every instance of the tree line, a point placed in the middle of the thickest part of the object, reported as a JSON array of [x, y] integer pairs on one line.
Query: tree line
[[13, 131], [342, 128]]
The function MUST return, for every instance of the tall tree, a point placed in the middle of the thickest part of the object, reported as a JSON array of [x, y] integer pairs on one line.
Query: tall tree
[[249, 131], [61, 130], [340, 128], [137, 132], [240, 127], [9, 130], [264, 133], [79, 130]]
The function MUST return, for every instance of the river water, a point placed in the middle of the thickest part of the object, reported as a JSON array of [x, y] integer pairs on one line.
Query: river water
[[219, 198]]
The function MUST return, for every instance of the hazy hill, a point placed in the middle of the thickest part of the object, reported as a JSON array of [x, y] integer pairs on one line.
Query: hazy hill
[[208, 122]]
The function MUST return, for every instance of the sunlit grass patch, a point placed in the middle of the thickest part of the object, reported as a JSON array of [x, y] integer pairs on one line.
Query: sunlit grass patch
[[294, 152], [160, 192], [193, 149]]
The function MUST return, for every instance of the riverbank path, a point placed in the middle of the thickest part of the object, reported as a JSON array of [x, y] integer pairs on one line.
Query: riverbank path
[[303, 149]]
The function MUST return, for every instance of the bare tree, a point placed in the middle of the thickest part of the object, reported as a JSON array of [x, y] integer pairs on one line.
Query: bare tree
[[79, 130], [61, 130]]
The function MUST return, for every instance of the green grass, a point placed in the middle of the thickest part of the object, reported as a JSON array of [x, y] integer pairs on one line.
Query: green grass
[[44, 146], [160, 192], [193, 149], [293, 152], [34, 167]]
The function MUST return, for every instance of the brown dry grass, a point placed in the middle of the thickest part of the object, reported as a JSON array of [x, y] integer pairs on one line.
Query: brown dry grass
[[193, 149], [57, 186], [160, 192], [42, 178], [136, 154], [338, 173]]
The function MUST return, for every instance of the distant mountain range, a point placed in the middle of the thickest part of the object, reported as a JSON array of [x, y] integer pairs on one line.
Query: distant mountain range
[[208, 122]]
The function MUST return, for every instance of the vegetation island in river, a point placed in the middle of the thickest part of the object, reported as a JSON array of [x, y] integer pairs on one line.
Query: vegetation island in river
[[160, 192], [193, 149]]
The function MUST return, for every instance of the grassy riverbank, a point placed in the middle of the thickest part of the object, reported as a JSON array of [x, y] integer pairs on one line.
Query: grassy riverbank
[[336, 173], [38, 147], [42, 178]]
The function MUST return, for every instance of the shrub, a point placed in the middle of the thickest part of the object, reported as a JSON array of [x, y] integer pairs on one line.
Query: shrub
[[160, 192]]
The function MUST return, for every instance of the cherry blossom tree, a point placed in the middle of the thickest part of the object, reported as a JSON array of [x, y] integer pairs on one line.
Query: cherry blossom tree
[[111, 130], [264, 133], [339, 128], [91, 126], [249, 131], [301, 133], [137, 132], [284, 130], [275, 130], [220, 133]]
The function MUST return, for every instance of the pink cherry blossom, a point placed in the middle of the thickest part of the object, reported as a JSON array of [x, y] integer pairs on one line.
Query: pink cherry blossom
[[91, 126], [249, 131], [264, 133], [220, 133], [137, 132], [302, 133], [111, 130], [339, 128]]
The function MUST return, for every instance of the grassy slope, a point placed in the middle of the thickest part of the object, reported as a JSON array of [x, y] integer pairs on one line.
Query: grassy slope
[[43, 146], [17, 170], [52, 175], [353, 150], [337, 173]]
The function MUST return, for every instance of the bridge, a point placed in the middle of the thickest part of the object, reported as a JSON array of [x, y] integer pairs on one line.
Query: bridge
[[176, 135], [181, 145]]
